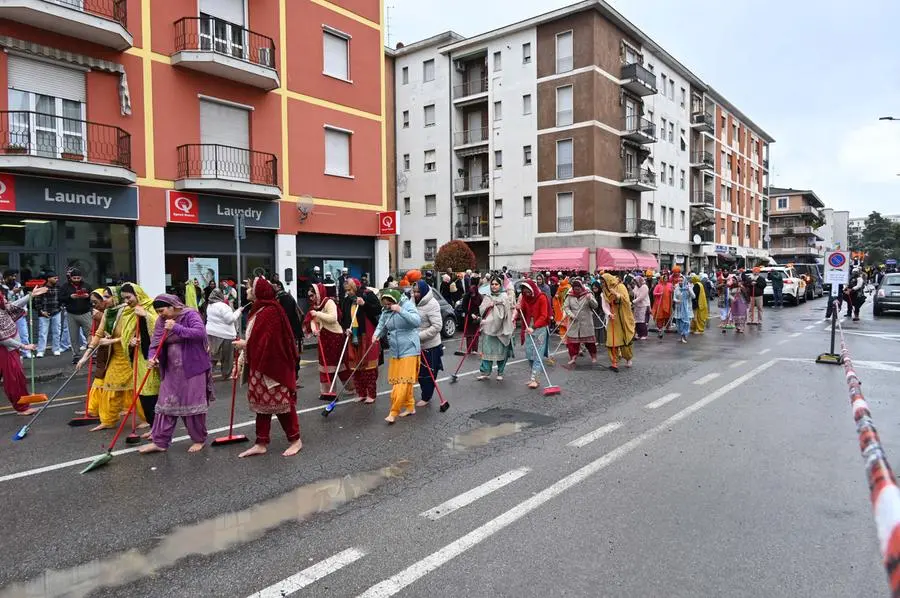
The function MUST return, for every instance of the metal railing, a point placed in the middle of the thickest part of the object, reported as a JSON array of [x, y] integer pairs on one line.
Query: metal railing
[[644, 176], [640, 73], [470, 231], [706, 235], [705, 158], [637, 124], [471, 183], [565, 171], [214, 161], [565, 224], [703, 118], [470, 88], [703, 197], [640, 226], [209, 34], [564, 64], [49, 136], [470, 136], [115, 10], [564, 118]]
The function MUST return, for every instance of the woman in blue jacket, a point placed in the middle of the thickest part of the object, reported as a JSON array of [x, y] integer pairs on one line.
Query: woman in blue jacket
[[399, 322]]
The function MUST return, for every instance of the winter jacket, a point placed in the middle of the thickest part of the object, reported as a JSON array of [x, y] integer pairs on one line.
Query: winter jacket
[[581, 319], [220, 319], [431, 322], [401, 329]]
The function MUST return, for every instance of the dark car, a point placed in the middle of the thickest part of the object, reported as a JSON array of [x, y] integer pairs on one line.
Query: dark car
[[887, 295], [813, 274]]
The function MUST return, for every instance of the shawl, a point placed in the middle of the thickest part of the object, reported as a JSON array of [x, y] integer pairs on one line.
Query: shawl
[[110, 314], [702, 314], [190, 294], [9, 313], [215, 296], [497, 316], [190, 336], [321, 297], [683, 308], [271, 348], [619, 303], [129, 319]]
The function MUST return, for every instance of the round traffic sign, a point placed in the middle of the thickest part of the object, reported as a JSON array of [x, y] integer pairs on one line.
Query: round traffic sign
[[837, 260]]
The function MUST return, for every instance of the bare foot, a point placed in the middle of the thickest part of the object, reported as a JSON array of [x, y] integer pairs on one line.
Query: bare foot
[[293, 449], [422, 404], [102, 427], [390, 419], [27, 412], [532, 385], [256, 449], [407, 412], [151, 448], [142, 426], [196, 447], [361, 399], [146, 435], [369, 401]]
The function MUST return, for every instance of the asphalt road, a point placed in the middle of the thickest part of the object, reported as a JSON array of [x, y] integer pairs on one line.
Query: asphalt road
[[725, 467]]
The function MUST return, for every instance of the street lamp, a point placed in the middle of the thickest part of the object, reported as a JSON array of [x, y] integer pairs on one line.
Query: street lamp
[[888, 118]]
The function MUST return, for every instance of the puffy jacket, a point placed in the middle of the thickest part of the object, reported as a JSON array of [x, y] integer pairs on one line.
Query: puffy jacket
[[401, 329], [432, 322]]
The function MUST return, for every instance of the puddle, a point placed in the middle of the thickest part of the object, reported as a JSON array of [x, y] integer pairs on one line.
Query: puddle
[[207, 537], [480, 437]]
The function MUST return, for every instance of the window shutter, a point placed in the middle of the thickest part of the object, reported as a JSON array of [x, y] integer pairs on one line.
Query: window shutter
[[336, 49], [224, 125], [46, 78], [337, 152], [227, 10]]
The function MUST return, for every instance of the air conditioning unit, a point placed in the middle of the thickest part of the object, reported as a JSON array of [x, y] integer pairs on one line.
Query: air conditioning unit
[[460, 66], [265, 57]]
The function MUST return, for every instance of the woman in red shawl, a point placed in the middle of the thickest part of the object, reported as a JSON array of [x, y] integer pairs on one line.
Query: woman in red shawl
[[534, 308], [662, 304], [267, 366], [10, 364], [322, 322]]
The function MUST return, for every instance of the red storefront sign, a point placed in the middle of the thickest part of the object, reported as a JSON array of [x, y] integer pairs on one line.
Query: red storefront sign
[[387, 223], [183, 207], [7, 193]]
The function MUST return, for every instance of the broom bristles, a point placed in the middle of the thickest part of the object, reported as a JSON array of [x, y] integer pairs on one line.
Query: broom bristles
[[35, 398]]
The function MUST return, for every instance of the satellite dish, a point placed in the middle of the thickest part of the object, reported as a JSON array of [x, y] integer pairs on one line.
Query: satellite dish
[[697, 239], [305, 206]]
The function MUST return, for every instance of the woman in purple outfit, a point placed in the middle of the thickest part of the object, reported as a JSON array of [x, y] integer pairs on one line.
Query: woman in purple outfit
[[186, 386]]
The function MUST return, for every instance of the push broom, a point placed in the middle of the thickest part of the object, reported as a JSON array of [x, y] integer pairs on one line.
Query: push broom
[[86, 419], [550, 389], [330, 395], [133, 437], [232, 438], [325, 396], [24, 430], [106, 457], [445, 404], [334, 401], [33, 397], [455, 375]]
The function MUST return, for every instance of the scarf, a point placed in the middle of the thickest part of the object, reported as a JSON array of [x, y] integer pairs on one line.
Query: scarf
[[216, 296], [129, 319], [110, 314], [578, 290], [9, 313], [190, 295], [353, 286], [168, 301], [320, 295], [271, 348]]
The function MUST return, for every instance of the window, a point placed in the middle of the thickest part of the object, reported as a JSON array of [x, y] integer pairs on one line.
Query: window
[[651, 212], [672, 89], [406, 119], [649, 67], [407, 249], [404, 75], [662, 216], [337, 152], [565, 157], [526, 151], [662, 127], [671, 217], [406, 207], [498, 158], [565, 212], [671, 175], [683, 179], [526, 53], [526, 103], [683, 140], [662, 172], [430, 249], [789, 242], [406, 162], [431, 205], [724, 122], [734, 227], [428, 70], [337, 55], [747, 231], [498, 208], [219, 34], [650, 116], [663, 82], [683, 220], [526, 205], [498, 61], [734, 134], [671, 132], [430, 161], [564, 115], [781, 203], [429, 115], [565, 60], [498, 110], [683, 97]]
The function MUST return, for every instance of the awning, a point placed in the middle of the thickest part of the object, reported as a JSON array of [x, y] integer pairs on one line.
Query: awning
[[561, 258], [612, 258]]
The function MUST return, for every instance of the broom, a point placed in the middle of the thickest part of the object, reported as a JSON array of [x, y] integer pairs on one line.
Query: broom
[[462, 341], [455, 375], [445, 404], [133, 437], [106, 457], [330, 406], [232, 438], [325, 396], [330, 395], [33, 397], [86, 419], [550, 389]]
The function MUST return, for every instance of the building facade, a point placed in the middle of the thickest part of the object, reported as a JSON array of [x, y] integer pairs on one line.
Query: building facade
[[133, 133], [794, 222], [574, 129]]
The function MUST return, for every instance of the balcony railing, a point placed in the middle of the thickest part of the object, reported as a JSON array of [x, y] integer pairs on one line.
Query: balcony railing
[[703, 197], [703, 158], [565, 171], [565, 224], [49, 136], [472, 183], [477, 135], [209, 34], [214, 161], [640, 226], [703, 120], [114, 10], [638, 79], [792, 230], [642, 176], [470, 88], [706, 235], [636, 125], [470, 231], [564, 64]]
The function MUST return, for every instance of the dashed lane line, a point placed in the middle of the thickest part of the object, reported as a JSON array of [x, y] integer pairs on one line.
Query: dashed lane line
[[796, 334], [737, 364], [662, 400], [467, 498], [706, 379], [764, 351], [595, 435], [310, 575]]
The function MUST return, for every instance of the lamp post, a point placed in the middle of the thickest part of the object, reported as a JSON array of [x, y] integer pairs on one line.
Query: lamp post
[[888, 118]]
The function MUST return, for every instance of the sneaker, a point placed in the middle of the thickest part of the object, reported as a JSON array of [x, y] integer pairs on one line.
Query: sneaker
[[57, 353], [83, 348], [39, 354]]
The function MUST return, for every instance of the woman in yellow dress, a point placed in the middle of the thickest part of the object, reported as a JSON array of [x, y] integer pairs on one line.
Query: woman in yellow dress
[[101, 300], [138, 323]]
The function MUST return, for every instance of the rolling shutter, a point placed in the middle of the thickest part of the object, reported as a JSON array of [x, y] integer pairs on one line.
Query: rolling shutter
[[227, 10], [46, 78], [224, 125]]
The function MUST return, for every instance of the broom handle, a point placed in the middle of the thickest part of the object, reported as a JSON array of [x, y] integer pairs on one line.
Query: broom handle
[[31, 336], [322, 355], [137, 348], [362, 360], [87, 396], [537, 354], [431, 374], [468, 351], [233, 396], [135, 397], [337, 368]]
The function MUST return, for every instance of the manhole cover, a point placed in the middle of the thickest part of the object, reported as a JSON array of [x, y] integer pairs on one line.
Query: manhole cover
[[497, 416]]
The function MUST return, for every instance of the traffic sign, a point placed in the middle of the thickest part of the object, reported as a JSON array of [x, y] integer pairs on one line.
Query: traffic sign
[[837, 268]]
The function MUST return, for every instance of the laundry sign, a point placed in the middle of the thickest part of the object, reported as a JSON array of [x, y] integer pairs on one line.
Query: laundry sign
[[62, 197], [215, 210]]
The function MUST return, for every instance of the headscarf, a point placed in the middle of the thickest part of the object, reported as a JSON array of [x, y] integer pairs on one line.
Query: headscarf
[[216, 296], [271, 347], [446, 278], [9, 313], [110, 314], [390, 294], [530, 291], [190, 294], [129, 319], [353, 283], [639, 280], [423, 289], [702, 302], [578, 289], [172, 301], [321, 295]]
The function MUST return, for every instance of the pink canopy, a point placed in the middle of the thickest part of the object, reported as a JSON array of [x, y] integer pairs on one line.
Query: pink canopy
[[561, 258], [613, 258]]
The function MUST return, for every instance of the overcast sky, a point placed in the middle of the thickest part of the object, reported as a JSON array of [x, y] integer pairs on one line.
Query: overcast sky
[[815, 75]]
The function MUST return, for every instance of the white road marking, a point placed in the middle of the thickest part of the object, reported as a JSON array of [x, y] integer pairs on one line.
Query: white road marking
[[39, 405], [781, 342], [467, 498], [796, 334], [764, 351], [810, 327], [85, 460], [595, 435], [310, 575], [737, 364], [662, 400], [706, 378], [416, 571]]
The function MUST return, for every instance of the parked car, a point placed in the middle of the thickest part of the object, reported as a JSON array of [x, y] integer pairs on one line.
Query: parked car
[[794, 287], [887, 295], [448, 314], [814, 276]]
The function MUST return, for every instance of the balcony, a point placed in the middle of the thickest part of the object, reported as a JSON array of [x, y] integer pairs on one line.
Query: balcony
[[805, 211], [765, 164], [638, 80], [706, 236], [639, 130], [773, 251], [471, 91], [472, 184], [102, 22], [225, 50], [640, 179], [703, 161], [640, 227], [565, 171], [565, 224], [703, 198], [473, 231], [47, 144], [470, 137], [796, 231], [703, 122], [222, 169]]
